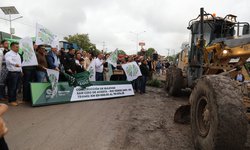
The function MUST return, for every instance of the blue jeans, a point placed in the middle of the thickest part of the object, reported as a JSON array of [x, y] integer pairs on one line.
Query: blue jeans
[[13, 81], [143, 84], [41, 76], [99, 76]]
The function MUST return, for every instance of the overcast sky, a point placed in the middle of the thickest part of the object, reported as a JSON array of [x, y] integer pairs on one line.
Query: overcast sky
[[117, 21]]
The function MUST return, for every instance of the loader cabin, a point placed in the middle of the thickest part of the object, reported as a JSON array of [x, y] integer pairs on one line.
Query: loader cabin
[[214, 28]]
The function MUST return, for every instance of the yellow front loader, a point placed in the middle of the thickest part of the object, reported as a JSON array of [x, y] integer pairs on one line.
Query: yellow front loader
[[218, 105]]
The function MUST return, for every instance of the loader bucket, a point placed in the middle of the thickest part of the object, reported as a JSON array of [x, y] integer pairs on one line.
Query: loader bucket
[[182, 114]]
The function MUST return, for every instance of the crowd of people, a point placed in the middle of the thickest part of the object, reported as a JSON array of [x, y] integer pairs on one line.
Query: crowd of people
[[15, 78]]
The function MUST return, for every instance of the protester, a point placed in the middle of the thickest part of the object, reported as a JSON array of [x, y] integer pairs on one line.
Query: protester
[[80, 67], [70, 66], [78, 58], [99, 67], [3, 128], [4, 71], [87, 60], [5, 44], [106, 69], [13, 63], [158, 68], [150, 68], [145, 72], [240, 77], [62, 56], [53, 60], [29, 75], [42, 64]]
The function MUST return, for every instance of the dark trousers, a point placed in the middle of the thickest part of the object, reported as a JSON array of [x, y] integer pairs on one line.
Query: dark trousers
[[2, 91], [143, 82], [3, 144], [13, 80], [135, 84], [99, 76], [29, 75]]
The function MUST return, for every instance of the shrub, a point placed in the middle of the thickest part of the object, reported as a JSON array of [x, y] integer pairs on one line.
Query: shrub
[[154, 83]]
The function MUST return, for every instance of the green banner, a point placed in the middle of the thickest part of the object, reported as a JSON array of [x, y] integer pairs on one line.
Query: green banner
[[42, 93]]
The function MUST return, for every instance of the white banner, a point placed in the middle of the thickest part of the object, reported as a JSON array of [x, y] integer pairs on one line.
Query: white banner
[[29, 55], [53, 79], [44, 36], [112, 59], [132, 71], [91, 70], [102, 92]]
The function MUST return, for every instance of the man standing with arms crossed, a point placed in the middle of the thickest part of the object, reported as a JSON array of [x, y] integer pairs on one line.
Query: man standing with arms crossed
[[13, 63]]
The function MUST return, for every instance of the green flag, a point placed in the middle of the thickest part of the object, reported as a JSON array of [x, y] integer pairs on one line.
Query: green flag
[[79, 79]]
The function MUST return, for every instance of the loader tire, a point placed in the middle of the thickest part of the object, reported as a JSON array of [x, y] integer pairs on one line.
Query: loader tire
[[174, 82], [218, 119]]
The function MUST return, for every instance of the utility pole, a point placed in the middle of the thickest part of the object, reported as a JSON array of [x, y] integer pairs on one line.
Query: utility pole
[[103, 46]]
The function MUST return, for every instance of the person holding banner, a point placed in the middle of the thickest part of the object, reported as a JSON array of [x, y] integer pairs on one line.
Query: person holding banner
[[13, 63], [145, 72], [42, 64], [29, 74]]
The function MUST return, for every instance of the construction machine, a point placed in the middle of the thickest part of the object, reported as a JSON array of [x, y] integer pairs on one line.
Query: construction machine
[[218, 108]]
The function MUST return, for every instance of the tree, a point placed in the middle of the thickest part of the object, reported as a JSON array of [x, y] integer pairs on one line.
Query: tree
[[170, 58], [82, 40], [121, 52], [149, 52]]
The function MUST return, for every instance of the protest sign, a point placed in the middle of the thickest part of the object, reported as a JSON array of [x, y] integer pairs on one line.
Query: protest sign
[[112, 59], [132, 70], [29, 56], [53, 79], [44, 36], [41, 92], [91, 70]]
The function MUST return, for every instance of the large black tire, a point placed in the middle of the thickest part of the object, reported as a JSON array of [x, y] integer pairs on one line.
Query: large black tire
[[174, 81], [218, 119]]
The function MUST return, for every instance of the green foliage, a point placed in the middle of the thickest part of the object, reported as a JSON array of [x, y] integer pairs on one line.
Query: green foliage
[[149, 52], [154, 83], [82, 40], [121, 52], [170, 58]]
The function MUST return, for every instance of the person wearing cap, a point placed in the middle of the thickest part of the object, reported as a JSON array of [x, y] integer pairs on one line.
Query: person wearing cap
[[42, 64]]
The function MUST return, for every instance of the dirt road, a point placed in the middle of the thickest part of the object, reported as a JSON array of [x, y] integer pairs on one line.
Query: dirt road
[[137, 123]]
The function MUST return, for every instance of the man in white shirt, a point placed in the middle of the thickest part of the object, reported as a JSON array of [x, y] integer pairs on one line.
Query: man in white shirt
[[13, 63], [99, 67]]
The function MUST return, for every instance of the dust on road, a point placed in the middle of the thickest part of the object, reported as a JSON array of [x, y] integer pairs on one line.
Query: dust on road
[[137, 123]]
